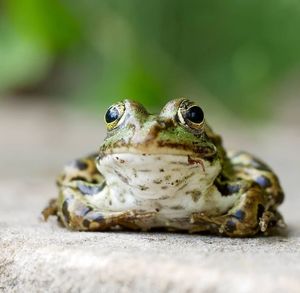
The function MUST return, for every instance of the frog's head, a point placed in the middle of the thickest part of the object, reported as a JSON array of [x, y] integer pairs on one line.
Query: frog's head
[[139, 141], [179, 129]]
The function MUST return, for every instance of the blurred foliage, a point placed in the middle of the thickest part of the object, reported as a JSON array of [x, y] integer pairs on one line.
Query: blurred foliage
[[95, 52]]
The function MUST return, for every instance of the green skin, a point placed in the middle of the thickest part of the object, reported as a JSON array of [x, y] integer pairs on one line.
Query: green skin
[[249, 187]]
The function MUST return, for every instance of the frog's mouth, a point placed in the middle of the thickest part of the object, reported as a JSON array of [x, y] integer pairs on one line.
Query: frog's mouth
[[207, 152], [155, 176]]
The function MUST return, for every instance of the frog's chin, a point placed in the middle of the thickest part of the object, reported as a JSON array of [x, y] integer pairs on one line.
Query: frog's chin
[[155, 176]]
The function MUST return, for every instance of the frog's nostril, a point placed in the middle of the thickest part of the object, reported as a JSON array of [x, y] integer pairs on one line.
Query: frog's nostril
[[161, 124], [154, 130]]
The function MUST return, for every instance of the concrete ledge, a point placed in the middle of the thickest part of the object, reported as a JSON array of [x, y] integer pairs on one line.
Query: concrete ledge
[[40, 257]]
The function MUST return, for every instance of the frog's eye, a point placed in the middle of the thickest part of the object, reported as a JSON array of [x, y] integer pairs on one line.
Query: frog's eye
[[113, 115], [195, 114], [191, 115]]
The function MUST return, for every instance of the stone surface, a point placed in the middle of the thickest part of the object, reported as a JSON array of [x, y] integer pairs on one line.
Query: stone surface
[[39, 257]]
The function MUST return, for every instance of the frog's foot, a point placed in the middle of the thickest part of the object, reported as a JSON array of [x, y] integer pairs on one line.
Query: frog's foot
[[50, 210], [249, 216], [270, 220]]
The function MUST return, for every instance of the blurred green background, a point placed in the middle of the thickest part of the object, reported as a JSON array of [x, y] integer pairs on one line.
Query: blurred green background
[[91, 53]]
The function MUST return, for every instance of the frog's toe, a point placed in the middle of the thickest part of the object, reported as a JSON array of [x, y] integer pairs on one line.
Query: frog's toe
[[50, 210]]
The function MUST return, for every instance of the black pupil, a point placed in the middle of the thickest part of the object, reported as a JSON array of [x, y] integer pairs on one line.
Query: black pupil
[[195, 114], [112, 114]]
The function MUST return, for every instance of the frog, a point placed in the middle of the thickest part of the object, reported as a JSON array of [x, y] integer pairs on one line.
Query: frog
[[167, 171]]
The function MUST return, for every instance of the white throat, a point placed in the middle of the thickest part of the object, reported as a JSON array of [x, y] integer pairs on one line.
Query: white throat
[[156, 176], [176, 185]]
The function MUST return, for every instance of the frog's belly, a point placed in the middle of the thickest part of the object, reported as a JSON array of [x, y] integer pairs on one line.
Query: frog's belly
[[174, 185]]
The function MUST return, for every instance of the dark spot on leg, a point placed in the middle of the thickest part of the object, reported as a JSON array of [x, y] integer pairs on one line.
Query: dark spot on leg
[[161, 170], [227, 189], [230, 226], [240, 215], [86, 223], [97, 217], [65, 211], [81, 165], [85, 210], [233, 189], [90, 189], [263, 181], [78, 178], [260, 211]]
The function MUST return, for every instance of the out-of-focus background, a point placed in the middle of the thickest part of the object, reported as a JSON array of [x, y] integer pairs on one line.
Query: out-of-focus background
[[62, 63], [238, 54]]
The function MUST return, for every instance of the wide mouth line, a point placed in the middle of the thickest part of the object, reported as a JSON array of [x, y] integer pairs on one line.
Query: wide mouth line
[[101, 156]]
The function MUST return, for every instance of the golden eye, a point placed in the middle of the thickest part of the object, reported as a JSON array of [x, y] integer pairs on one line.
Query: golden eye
[[113, 115], [190, 115]]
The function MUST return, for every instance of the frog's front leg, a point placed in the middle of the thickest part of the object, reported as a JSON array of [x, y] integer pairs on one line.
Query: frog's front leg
[[247, 217], [82, 201], [77, 211]]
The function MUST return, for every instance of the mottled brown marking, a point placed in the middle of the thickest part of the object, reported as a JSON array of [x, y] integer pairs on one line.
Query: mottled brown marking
[[178, 207], [204, 151], [195, 194], [183, 186], [65, 211], [143, 187], [197, 162], [123, 178]]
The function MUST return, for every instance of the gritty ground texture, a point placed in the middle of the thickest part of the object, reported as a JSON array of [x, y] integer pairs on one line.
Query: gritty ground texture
[[44, 257]]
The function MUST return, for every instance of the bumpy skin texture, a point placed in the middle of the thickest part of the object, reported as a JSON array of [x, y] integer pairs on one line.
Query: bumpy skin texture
[[167, 171]]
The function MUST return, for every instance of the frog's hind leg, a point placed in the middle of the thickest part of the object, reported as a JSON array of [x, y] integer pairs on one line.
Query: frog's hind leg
[[241, 220], [83, 169], [255, 210], [250, 168]]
